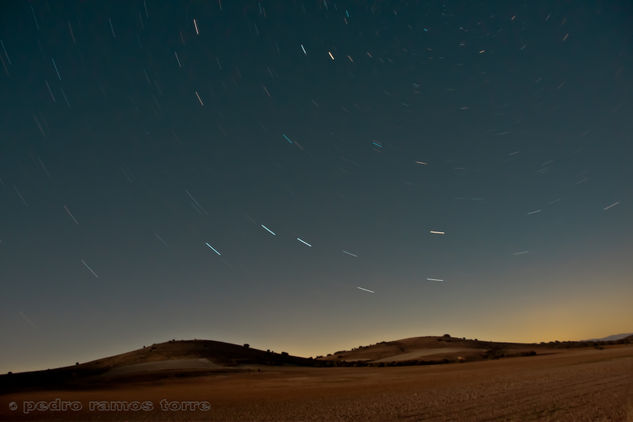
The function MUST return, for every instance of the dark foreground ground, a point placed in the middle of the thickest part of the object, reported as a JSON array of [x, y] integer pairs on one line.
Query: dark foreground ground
[[569, 385]]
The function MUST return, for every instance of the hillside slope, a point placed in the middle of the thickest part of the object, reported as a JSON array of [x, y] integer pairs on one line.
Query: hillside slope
[[434, 349], [172, 358]]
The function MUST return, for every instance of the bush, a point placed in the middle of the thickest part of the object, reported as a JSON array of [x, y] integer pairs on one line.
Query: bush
[[494, 353], [246, 345]]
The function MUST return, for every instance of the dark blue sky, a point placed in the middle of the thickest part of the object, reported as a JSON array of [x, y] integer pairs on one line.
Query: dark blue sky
[[133, 133]]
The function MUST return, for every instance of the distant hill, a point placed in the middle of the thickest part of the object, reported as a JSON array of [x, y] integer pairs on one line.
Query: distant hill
[[611, 337], [217, 352], [431, 349], [445, 349], [204, 357], [173, 358]]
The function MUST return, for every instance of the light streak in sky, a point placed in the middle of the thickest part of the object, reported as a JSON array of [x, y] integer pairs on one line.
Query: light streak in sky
[[213, 249], [520, 253], [365, 290], [199, 99], [268, 230], [71, 215], [89, 269], [304, 242]]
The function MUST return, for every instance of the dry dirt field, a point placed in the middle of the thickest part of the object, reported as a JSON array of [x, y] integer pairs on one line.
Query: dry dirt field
[[569, 385]]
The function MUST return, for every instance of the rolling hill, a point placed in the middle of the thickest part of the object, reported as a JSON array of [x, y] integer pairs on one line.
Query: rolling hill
[[187, 358], [172, 358], [431, 349]]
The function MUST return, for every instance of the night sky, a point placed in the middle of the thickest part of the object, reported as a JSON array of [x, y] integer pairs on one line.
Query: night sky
[[270, 173]]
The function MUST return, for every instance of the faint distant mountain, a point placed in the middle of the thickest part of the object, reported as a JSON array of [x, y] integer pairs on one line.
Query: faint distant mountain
[[613, 337]]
